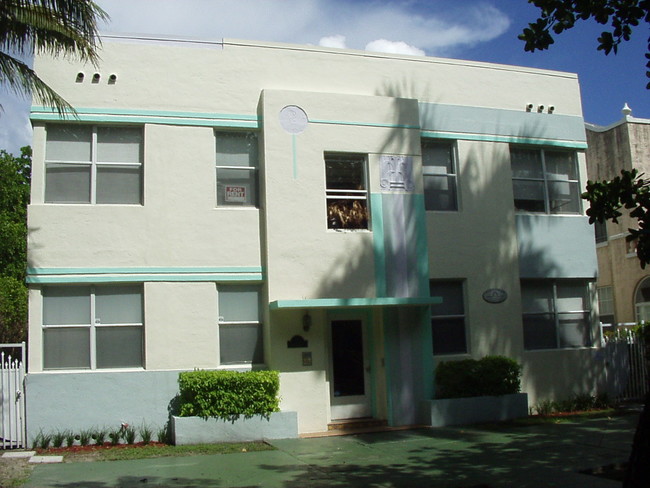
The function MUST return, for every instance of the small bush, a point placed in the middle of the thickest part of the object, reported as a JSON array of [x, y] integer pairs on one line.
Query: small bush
[[99, 436], [129, 435], [69, 438], [228, 394], [84, 437], [58, 437], [146, 433], [163, 434], [489, 376], [115, 436]]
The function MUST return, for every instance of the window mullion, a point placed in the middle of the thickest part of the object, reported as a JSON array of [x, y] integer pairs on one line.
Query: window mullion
[[93, 337], [547, 203], [93, 167]]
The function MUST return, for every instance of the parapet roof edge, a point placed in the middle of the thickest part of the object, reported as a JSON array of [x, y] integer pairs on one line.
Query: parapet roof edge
[[155, 38], [624, 120]]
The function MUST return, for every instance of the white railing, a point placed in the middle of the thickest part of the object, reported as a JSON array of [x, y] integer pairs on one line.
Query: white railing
[[633, 367], [12, 397]]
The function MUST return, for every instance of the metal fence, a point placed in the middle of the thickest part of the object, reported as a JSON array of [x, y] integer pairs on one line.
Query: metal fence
[[627, 365], [12, 396]]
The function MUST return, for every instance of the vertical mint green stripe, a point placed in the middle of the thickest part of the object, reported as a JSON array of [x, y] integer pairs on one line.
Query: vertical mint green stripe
[[389, 345], [421, 246], [295, 157], [378, 243], [372, 360]]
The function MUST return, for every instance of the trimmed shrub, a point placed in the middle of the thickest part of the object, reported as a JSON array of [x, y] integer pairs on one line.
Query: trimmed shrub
[[228, 395], [489, 376]]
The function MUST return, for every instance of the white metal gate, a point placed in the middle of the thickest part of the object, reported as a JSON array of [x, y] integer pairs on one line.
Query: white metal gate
[[12, 396], [627, 364]]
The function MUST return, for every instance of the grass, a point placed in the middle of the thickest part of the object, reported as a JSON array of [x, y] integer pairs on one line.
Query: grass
[[129, 452]]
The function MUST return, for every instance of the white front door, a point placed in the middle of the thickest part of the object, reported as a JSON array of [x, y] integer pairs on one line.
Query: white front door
[[350, 379]]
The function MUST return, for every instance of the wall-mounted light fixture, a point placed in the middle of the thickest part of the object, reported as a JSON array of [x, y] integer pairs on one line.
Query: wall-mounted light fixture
[[80, 77], [112, 79], [306, 322], [96, 77]]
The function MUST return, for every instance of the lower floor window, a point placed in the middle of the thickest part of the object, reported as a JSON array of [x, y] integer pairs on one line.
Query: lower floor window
[[556, 314], [92, 327], [448, 318], [240, 328]]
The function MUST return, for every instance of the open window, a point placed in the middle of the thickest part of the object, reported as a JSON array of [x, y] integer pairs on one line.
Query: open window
[[346, 191]]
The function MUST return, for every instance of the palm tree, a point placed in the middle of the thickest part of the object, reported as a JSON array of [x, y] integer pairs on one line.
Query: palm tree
[[65, 28]]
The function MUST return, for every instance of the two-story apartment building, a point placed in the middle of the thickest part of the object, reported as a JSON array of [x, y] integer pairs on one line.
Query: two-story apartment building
[[347, 218]]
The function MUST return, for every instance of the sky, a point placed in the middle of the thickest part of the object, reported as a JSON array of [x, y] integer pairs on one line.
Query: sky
[[481, 30]]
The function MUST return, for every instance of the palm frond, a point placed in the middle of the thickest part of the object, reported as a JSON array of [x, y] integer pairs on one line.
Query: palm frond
[[23, 80]]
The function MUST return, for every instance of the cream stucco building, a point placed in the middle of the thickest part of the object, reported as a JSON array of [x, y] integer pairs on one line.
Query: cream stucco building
[[347, 218]]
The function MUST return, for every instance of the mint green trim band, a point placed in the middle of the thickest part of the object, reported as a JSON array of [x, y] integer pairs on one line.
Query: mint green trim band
[[146, 270], [354, 302], [364, 124], [150, 117], [495, 138], [138, 278]]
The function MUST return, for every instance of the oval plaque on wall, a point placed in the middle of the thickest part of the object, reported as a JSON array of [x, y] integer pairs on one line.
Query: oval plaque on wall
[[495, 295]]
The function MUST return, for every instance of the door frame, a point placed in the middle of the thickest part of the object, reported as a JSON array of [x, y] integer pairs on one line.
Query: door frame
[[361, 406]]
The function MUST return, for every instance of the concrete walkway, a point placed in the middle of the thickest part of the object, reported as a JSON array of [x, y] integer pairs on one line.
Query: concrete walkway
[[549, 455]]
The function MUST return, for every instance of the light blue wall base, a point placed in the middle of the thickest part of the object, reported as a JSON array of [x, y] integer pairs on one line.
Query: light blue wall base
[[195, 430], [77, 401], [463, 411]]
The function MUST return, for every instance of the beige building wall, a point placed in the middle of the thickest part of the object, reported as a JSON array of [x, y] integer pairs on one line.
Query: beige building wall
[[623, 145]]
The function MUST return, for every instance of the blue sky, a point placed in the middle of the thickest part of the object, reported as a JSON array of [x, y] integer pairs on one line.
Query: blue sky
[[464, 29]]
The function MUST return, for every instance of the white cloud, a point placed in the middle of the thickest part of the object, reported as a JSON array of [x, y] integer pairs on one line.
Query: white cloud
[[393, 47], [333, 41], [391, 26]]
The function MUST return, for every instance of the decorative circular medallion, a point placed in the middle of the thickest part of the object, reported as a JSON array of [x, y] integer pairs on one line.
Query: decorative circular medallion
[[293, 119], [495, 295]]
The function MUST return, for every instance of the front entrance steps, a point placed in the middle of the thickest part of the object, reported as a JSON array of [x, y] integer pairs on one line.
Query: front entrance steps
[[351, 426]]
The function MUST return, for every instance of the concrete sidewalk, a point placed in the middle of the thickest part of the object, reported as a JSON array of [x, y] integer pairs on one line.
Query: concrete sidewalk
[[504, 455]]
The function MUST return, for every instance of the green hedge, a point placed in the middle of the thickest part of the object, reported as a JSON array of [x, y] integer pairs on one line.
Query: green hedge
[[228, 394], [490, 376]]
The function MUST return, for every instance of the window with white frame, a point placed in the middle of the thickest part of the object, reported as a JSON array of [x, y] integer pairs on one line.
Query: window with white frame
[[92, 327], [556, 314], [237, 168], [439, 175], [606, 304], [448, 318], [346, 191], [240, 327], [545, 180], [93, 164]]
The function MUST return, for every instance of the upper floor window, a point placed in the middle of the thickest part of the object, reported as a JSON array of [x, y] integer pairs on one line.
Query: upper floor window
[[556, 314], [88, 327], [606, 304], [237, 168], [240, 327], [346, 191], [545, 180], [88, 164], [439, 175], [448, 318]]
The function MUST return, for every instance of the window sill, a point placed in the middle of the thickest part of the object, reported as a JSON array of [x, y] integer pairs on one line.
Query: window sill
[[562, 349], [242, 367], [90, 371], [349, 231]]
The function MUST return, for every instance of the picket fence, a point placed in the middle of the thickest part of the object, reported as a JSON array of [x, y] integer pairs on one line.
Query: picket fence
[[626, 357], [12, 396]]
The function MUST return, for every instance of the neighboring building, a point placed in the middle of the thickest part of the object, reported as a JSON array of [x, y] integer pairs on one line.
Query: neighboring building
[[348, 218], [623, 287]]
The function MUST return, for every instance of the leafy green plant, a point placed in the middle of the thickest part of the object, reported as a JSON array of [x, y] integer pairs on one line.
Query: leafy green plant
[[115, 436], [84, 437], [163, 434], [43, 440], [99, 436], [69, 438], [546, 407], [228, 394], [146, 433], [129, 434], [489, 376], [58, 437]]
